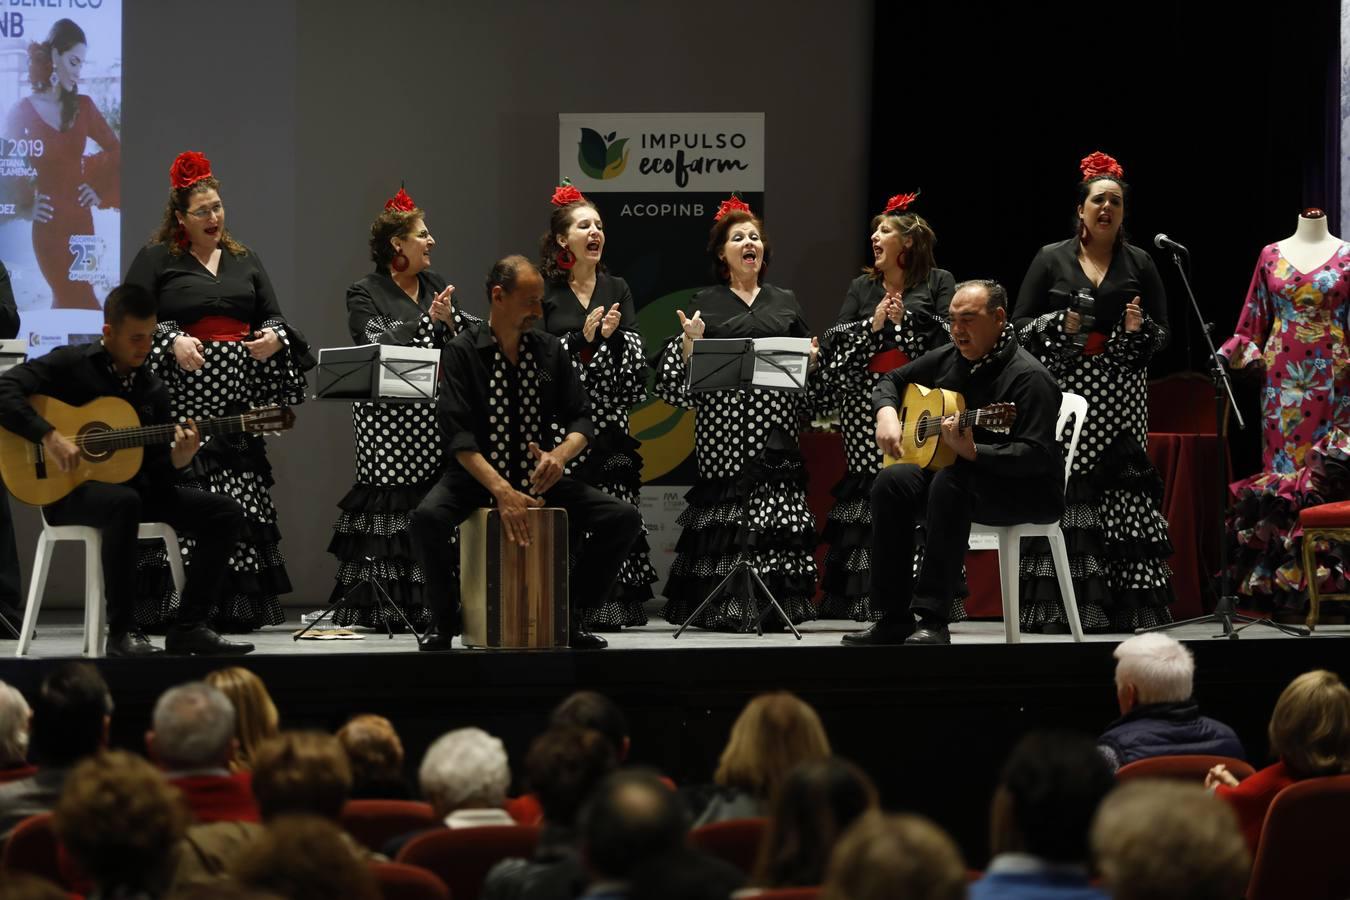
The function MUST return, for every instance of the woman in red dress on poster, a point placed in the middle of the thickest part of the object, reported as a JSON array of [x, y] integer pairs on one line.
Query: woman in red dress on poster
[[60, 121]]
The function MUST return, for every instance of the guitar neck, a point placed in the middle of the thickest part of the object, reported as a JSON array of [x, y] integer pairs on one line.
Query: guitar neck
[[145, 435], [967, 418]]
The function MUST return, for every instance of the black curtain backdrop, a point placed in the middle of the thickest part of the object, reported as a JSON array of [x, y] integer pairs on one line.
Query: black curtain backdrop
[[1226, 123]]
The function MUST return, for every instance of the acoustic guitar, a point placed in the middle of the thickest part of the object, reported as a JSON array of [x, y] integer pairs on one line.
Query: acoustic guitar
[[921, 413], [110, 437]]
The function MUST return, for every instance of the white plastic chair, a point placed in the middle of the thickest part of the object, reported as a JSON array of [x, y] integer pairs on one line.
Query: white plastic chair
[[1009, 538], [95, 639]]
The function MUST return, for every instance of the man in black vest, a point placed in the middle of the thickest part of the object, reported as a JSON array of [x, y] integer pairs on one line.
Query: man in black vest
[[114, 367], [997, 479]]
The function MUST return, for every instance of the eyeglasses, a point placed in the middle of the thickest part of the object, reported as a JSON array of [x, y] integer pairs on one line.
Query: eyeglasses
[[207, 212]]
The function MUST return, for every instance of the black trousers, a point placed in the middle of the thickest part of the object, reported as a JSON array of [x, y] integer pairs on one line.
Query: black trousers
[[117, 509], [613, 526], [947, 501]]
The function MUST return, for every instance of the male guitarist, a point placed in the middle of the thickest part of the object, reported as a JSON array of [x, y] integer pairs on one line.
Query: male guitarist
[[79, 374], [997, 479]]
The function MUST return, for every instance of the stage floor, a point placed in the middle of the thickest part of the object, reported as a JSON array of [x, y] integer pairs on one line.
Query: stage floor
[[60, 634]]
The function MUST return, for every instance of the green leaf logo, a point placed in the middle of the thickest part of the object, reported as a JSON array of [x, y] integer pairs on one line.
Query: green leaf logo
[[601, 156]]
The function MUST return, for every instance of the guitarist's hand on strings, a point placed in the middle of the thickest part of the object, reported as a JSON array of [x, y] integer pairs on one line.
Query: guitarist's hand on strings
[[888, 431], [61, 450], [186, 443], [961, 440]]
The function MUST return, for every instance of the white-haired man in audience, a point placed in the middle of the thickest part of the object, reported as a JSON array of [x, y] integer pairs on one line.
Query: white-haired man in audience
[[464, 776], [192, 739], [15, 719], [1158, 715]]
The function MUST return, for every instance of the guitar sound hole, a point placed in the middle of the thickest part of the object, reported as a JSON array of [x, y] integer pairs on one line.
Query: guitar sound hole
[[921, 431], [89, 442]]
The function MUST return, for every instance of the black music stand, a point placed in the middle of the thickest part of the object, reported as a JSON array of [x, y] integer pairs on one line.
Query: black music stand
[[357, 380], [719, 364]]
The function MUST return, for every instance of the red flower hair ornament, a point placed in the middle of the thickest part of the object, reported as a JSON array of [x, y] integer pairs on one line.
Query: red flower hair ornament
[[189, 168], [564, 194], [1099, 164], [734, 203], [899, 203], [400, 202]]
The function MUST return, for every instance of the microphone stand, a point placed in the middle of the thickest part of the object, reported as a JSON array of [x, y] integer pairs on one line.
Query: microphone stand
[[1225, 609]]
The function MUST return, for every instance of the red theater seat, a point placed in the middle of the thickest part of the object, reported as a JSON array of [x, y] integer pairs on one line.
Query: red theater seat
[[375, 822], [1302, 852], [1182, 767], [461, 857], [736, 841], [400, 882], [32, 847]]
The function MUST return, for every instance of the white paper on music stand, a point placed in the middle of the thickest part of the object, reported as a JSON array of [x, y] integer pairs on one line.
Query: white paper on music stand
[[792, 354]]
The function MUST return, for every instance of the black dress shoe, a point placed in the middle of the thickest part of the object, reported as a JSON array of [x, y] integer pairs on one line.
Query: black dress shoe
[[881, 633], [581, 639], [131, 643], [930, 634], [434, 641], [199, 640]]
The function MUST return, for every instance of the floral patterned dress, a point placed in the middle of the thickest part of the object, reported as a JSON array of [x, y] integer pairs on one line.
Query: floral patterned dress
[[1293, 324]]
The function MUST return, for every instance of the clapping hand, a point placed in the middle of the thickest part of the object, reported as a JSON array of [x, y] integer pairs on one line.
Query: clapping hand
[[610, 323], [443, 306], [592, 323], [1134, 316], [693, 328], [1219, 775]]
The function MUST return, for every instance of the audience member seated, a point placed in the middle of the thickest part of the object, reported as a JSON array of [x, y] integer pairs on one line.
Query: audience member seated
[[256, 718], [582, 709], [294, 773], [633, 832], [1158, 715], [71, 715], [375, 753], [464, 776], [773, 734], [15, 718], [562, 767], [1166, 840], [888, 857], [120, 821], [305, 858], [193, 740], [1309, 736], [1042, 811], [816, 804]]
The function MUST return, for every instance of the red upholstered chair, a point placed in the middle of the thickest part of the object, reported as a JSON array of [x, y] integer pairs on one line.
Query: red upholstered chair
[[735, 841], [32, 847], [375, 822], [793, 893], [400, 882], [1302, 848], [1182, 767], [461, 857], [1328, 522]]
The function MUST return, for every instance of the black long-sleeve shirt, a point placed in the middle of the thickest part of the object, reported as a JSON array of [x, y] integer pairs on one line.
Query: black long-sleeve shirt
[[1030, 450], [380, 312], [186, 291], [77, 375], [472, 393]]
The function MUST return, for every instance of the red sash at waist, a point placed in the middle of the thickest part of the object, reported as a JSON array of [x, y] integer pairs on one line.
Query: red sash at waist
[[1096, 343], [887, 360], [218, 328]]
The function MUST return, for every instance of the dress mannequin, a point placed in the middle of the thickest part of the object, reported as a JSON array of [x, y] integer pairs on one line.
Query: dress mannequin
[[1312, 243]]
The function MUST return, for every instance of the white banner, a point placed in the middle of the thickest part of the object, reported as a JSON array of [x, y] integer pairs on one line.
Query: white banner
[[662, 152]]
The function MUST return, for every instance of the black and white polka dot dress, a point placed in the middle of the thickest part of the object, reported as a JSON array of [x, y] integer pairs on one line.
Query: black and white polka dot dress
[[399, 456], [748, 458], [1116, 534], [853, 358], [238, 296], [614, 372]]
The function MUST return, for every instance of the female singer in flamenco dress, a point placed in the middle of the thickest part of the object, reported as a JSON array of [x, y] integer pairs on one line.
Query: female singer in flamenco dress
[[593, 312], [1117, 537], [1294, 325], [398, 445], [745, 443], [893, 312], [68, 183], [222, 346]]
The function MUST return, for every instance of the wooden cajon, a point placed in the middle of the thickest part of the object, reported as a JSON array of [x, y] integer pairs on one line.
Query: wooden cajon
[[514, 597]]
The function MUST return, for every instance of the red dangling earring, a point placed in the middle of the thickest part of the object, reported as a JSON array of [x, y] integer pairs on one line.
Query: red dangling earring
[[399, 263], [565, 259], [180, 237]]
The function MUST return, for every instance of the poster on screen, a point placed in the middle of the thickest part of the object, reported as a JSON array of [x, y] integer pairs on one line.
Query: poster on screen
[[60, 164]]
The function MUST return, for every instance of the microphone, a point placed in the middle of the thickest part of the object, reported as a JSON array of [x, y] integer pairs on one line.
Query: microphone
[[1163, 242]]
